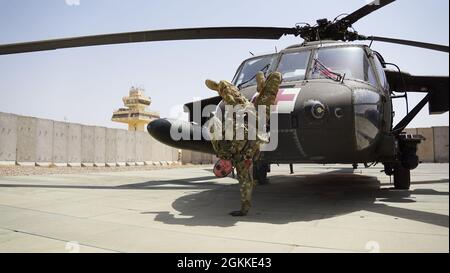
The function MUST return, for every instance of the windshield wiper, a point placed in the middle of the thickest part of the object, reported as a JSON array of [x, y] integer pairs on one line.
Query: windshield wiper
[[264, 70], [325, 71]]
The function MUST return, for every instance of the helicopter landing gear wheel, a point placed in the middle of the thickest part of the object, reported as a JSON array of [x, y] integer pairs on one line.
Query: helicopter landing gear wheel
[[408, 160], [402, 177], [260, 170]]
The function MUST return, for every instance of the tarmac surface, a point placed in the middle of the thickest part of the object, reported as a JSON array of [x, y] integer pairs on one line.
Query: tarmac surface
[[318, 209]]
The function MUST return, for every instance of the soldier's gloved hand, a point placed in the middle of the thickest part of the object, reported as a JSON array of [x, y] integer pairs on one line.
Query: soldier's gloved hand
[[219, 86], [212, 85], [229, 93], [260, 81], [224, 89], [268, 89]]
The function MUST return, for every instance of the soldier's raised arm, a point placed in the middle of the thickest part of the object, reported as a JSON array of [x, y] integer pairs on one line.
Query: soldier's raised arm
[[229, 93]]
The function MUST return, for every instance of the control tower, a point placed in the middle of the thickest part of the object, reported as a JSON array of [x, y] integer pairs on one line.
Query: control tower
[[135, 114]]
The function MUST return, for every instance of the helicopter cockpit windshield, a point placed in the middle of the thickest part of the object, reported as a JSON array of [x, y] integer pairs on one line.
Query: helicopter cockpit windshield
[[336, 63], [247, 73], [293, 66], [339, 61]]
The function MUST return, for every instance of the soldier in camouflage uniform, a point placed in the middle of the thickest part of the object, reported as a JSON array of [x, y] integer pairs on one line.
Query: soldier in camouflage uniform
[[242, 153]]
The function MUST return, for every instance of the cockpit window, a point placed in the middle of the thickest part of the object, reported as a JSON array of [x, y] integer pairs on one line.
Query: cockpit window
[[349, 61], [247, 74], [293, 66], [381, 74]]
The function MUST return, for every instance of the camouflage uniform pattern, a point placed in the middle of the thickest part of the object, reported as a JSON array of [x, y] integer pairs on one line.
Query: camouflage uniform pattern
[[235, 150], [243, 153], [268, 90]]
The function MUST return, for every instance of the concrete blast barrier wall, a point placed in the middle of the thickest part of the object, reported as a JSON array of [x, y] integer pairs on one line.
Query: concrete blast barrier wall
[[74, 145], [167, 153], [157, 150], [99, 146], [44, 142], [196, 158], [131, 147], [148, 149], [170, 154], [440, 144], [425, 151], [111, 147], [8, 138], [186, 156], [139, 147], [153, 150], [60, 140], [175, 154], [435, 147], [207, 158], [87, 145], [26, 140], [121, 147]]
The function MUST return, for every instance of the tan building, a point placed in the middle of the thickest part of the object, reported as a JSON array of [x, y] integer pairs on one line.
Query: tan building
[[135, 114]]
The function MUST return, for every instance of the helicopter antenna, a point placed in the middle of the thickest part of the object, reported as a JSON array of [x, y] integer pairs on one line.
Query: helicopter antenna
[[276, 49], [340, 15], [251, 53]]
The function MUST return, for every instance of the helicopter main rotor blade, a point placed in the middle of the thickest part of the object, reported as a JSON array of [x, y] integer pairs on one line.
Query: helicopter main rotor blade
[[436, 47], [366, 10], [150, 36]]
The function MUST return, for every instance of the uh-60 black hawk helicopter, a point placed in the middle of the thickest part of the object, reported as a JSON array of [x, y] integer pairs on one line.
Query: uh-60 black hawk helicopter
[[335, 101]]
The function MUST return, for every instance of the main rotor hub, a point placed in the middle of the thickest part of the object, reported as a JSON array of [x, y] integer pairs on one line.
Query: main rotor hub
[[327, 30]]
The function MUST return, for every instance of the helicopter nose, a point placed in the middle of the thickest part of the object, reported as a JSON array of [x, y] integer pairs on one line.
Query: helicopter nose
[[159, 128], [170, 132]]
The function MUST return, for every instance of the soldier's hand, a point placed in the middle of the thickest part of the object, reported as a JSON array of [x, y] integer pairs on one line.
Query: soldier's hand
[[275, 77], [212, 85], [260, 81]]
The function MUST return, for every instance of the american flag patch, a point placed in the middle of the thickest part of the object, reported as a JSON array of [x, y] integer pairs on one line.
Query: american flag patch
[[325, 71]]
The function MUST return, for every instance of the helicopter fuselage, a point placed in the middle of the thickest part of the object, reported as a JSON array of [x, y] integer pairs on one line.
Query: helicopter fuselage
[[358, 113]]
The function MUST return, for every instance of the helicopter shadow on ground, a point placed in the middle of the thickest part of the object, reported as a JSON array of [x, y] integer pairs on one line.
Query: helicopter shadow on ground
[[298, 198]]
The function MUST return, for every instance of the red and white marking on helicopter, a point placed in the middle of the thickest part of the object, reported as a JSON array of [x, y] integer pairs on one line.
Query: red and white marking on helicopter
[[286, 99]]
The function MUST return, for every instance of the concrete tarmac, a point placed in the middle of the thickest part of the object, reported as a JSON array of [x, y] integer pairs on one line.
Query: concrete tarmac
[[318, 209]]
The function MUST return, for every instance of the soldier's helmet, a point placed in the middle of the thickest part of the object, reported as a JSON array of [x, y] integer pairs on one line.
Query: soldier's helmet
[[222, 168]]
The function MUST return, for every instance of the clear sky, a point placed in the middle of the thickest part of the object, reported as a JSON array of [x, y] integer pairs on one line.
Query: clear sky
[[85, 85]]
